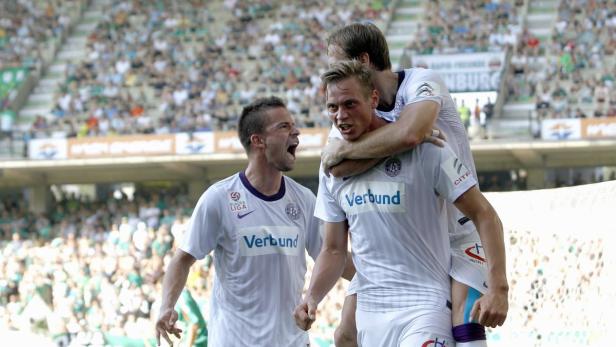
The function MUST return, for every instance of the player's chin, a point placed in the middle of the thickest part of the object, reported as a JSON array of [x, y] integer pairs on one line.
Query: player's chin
[[288, 164]]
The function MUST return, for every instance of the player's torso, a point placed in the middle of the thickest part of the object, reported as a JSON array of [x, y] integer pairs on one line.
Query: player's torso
[[263, 237], [398, 227], [260, 264], [447, 121]]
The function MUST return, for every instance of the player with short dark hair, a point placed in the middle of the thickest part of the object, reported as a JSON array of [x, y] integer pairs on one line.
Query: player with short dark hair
[[259, 224]]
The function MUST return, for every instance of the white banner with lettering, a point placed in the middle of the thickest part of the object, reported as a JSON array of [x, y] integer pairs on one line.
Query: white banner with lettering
[[469, 72]]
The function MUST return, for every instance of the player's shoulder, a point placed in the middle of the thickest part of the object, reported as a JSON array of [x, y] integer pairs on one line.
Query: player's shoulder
[[293, 185], [423, 82], [220, 187], [420, 73], [427, 150]]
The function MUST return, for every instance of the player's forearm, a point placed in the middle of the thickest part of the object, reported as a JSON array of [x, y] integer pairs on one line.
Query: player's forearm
[[380, 143], [174, 281], [353, 167], [415, 121], [490, 231], [328, 268], [349, 268]]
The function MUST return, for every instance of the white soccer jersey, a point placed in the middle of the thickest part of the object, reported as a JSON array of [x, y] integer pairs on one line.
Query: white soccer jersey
[[418, 84], [259, 245], [398, 226]]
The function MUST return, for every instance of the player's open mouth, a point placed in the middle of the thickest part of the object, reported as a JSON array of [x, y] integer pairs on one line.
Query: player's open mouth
[[344, 127], [291, 149]]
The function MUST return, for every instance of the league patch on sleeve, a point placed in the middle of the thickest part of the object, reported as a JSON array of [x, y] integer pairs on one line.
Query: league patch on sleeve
[[427, 89], [456, 171]]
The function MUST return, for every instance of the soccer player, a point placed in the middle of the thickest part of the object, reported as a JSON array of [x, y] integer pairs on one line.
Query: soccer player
[[190, 314], [258, 223], [416, 100], [397, 217]]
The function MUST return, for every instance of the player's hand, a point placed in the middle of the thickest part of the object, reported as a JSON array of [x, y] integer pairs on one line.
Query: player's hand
[[305, 314], [330, 156], [491, 309], [166, 325], [436, 137]]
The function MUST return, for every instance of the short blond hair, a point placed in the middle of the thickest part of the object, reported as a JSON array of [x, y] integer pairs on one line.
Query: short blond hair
[[342, 70]]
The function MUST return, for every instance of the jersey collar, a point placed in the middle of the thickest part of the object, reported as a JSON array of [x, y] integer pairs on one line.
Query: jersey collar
[[260, 195], [401, 75]]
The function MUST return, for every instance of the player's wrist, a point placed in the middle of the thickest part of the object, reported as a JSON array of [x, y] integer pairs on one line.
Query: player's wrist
[[345, 150], [498, 286]]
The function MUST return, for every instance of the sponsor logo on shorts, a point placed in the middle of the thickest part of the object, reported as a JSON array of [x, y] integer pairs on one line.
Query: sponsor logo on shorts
[[269, 240], [387, 197], [475, 253], [393, 167], [435, 343], [292, 211]]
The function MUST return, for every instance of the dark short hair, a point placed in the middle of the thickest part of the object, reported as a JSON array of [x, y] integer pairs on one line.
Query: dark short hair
[[357, 38], [254, 118], [346, 69]]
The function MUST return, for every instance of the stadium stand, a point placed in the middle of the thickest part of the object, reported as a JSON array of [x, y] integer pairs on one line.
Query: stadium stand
[[188, 67], [467, 26], [88, 272], [570, 72]]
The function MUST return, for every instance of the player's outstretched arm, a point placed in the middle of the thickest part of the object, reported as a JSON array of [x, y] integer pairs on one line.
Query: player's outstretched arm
[[491, 309], [414, 126], [328, 268], [173, 283]]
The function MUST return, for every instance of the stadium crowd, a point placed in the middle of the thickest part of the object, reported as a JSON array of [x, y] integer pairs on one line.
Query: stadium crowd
[[91, 271], [191, 67], [570, 75], [27, 27], [467, 27], [556, 278], [167, 67]]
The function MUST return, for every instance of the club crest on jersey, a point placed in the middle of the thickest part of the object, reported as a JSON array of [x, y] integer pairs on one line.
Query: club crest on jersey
[[435, 343], [236, 203], [292, 210], [393, 167]]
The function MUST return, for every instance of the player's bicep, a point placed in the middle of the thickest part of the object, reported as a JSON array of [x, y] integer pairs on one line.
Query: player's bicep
[[473, 203], [327, 208], [204, 229], [419, 117], [450, 177], [335, 237]]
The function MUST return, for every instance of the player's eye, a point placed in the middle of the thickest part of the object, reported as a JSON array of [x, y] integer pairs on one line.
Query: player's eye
[[332, 108]]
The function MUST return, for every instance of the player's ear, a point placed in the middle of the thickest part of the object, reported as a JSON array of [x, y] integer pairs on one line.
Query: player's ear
[[257, 140], [374, 98], [365, 59]]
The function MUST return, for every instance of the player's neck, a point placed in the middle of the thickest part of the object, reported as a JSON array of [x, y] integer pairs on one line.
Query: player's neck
[[386, 82], [263, 177], [376, 122]]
